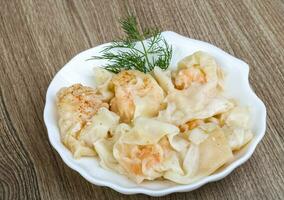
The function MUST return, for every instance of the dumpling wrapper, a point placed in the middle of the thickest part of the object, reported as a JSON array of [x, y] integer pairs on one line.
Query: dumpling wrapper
[[78, 148], [148, 131], [197, 136], [103, 83], [96, 129], [202, 160], [237, 127], [199, 130], [104, 148], [190, 104], [99, 126], [163, 77]]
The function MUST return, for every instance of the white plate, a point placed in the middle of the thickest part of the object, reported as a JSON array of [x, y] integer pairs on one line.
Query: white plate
[[78, 70]]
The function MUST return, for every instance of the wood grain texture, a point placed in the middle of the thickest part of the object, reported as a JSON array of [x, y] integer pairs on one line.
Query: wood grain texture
[[38, 37]]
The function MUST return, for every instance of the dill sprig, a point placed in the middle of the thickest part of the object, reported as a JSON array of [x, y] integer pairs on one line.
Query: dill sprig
[[140, 50]]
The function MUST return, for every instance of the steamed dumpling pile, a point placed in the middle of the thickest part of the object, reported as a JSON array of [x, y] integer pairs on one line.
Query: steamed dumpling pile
[[175, 125]]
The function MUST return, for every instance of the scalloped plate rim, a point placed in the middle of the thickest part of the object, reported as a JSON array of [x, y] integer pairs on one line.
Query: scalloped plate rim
[[177, 188]]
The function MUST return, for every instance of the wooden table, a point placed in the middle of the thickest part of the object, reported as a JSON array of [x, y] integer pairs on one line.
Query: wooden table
[[38, 37]]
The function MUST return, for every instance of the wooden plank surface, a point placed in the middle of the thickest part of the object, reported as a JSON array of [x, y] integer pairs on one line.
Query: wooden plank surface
[[37, 37]]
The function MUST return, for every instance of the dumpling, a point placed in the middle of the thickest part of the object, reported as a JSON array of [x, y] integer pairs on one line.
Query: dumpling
[[136, 94], [139, 161], [77, 106], [145, 151], [195, 93], [237, 127], [197, 69], [203, 159]]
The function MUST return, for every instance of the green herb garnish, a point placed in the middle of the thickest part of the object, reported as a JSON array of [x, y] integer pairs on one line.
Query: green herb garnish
[[133, 52]]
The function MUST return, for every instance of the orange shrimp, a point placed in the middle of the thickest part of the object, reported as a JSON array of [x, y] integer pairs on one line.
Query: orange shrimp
[[185, 77]]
